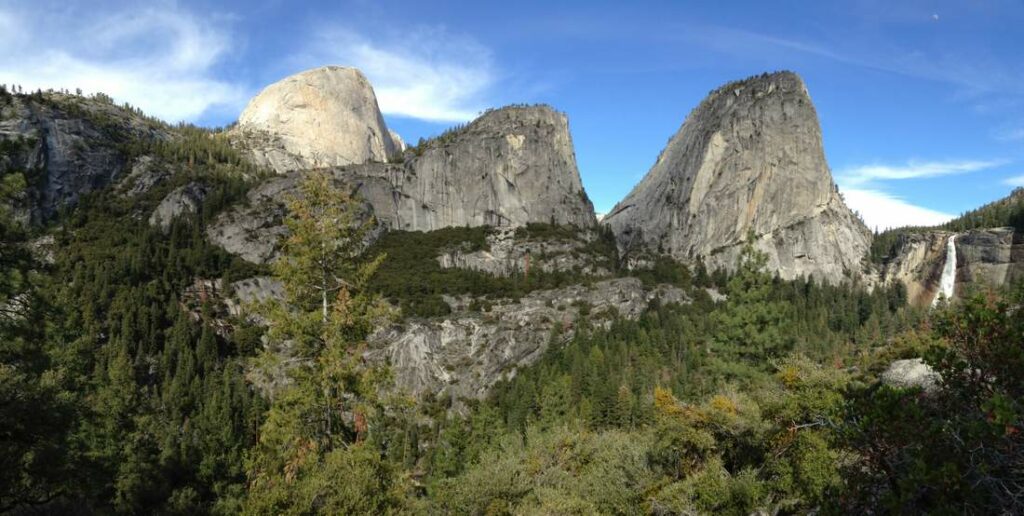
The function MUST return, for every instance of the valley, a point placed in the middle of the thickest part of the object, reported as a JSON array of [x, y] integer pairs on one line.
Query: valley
[[303, 314]]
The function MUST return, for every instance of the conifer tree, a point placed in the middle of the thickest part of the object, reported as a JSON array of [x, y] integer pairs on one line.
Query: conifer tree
[[317, 426]]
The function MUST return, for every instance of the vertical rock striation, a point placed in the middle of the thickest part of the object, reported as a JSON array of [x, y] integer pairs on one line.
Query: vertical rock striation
[[747, 161], [67, 146], [509, 167]]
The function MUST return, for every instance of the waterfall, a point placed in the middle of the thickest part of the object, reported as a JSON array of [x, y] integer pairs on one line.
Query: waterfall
[[948, 280]]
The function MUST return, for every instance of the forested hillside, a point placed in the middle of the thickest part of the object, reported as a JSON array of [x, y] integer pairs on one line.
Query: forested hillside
[[752, 394]]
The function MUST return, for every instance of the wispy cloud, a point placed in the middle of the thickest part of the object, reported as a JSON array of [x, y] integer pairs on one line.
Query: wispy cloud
[[912, 170], [974, 74], [881, 210], [426, 74], [1014, 181], [159, 60], [865, 190]]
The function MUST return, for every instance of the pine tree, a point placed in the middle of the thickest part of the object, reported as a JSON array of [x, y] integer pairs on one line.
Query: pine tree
[[320, 421]]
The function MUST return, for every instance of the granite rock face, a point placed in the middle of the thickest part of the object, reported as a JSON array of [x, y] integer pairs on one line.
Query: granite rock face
[[508, 168], [183, 200], [918, 265], [986, 258], [508, 255], [254, 230], [748, 160], [989, 258], [461, 355], [67, 146], [910, 373], [464, 354], [322, 117]]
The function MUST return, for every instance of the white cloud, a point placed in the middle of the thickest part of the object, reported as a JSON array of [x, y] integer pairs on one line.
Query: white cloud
[[424, 74], [1014, 181], [882, 211], [158, 60], [912, 170], [864, 189]]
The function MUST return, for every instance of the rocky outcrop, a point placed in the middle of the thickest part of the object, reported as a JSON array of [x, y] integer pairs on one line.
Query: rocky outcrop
[[211, 297], [146, 172], [254, 230], [323, 117], [747, 161], [184, 200], [508, 168], [918, 264], [67, 146], [911, 373], [985, 259], [509, 254], [989, 258], [463, 355]]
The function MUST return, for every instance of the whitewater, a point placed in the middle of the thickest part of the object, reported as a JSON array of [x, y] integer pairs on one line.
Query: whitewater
[[948, 279]]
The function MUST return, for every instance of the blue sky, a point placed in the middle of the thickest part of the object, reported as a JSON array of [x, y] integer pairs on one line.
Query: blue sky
[[921, 103]]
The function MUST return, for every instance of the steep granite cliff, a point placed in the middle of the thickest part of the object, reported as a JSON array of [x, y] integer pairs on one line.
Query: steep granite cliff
[[509, 167], [991, 257], [985, 258], [918, 264], [323, 117], [748, 160], [67, 146]]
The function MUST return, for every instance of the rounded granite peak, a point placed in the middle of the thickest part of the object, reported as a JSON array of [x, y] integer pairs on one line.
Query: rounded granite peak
[[323, 117], [747, 161]]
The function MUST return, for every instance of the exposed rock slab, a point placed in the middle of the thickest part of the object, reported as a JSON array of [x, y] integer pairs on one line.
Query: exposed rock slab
[[508, 255], [146, 172], [989, 258], [322, 117], [254, 230], [918, 265], [748, 160], [911, 373], [463, 355], [184, 200], [67, 146], [508, 168]]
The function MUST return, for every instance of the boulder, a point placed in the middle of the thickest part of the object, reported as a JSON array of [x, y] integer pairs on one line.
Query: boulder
[[910, 373]]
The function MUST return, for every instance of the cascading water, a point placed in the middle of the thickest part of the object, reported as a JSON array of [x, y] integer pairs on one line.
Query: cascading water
[[948, 279]]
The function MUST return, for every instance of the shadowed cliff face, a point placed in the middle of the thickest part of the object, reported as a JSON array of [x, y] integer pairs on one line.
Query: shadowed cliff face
[[748, 160], [989, 258], [918, 265], [67, 146]]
